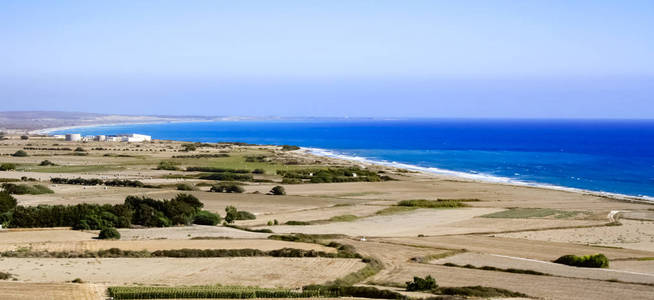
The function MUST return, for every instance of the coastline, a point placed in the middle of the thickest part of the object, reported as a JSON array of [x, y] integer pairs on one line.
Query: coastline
[[472, 177], [429, 171]]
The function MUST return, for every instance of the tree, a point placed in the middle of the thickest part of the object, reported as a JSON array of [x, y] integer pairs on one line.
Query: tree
[[20, 153], [421, 284], [7, 202], [231, 214], [109, 234], [277, 190]]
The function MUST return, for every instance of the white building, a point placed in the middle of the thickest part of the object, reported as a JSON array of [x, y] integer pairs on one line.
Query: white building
[[130, 138], [73, 137], [100, 138]]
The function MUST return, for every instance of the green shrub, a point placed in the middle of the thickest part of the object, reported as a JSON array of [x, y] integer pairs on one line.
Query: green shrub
[[217, 170], [189, 147], [109, 233], [77, 280], [185, 187], [20, 153], [480, 291], [23, 189], [204, 217], [289, 147], [47, 163], [167, 165], [227, 176], [421, 284], [7, 167], [231, 214], [5, 276], [296, 223], [258, 171], [432, 203], [278, 190], [588, 261], [7, 202], [245, 215], [225, 187], [79, 149]]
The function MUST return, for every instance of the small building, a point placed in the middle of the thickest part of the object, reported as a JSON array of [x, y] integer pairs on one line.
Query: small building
[[73, 137], [100, 138]]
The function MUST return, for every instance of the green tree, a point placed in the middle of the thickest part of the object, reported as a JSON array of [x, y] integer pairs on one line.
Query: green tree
[[231, 214], [7, 167], [7, 202], [206, 218]]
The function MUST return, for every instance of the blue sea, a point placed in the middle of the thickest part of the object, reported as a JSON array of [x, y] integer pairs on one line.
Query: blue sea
[[613, 156]]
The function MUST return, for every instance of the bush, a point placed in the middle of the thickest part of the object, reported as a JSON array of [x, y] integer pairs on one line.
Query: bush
[[185, 187], [231, 214], [588, 261], [480, 291], [24, 137], [77, 280], [47, 163], [79, 149], [245, 215], [225, 187], [7, 202], [22, 189], [277, 190], [258, 171], [189, 147], [227, 176], [289, 147], [109, 234], [7, 167], [204, 217], [421, 284], [432, 203], [20, 153], [167, 165]]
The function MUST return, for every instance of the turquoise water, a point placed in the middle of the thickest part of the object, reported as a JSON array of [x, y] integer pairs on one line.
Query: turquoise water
[[598, 155]]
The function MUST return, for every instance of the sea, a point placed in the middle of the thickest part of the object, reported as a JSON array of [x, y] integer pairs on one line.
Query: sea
[[607, 156]]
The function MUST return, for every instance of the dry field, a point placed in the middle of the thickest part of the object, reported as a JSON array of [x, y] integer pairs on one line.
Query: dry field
[[632, 234], [12, 290], [248, 271]]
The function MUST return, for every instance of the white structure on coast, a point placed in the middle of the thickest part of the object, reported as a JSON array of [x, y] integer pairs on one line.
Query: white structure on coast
[[129, 138]]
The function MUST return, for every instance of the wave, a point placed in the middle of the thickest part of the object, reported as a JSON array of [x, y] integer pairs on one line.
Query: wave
[[481, 177]]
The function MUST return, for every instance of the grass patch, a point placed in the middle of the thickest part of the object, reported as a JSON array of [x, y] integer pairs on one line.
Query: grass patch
[[489, 268], [526, 213], [343, 218], [23, 189], [263, 230], [391, 210], [432, 203], [479, 291], [587, 261]]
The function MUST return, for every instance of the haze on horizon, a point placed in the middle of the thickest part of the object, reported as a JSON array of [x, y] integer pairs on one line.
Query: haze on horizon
[[474, 59]]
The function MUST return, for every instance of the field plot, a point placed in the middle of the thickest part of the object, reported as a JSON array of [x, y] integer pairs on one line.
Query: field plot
[[250, 271], [540, 250], [154, 245], [315, 214], [544, 287], [431, 222], [187, 232], [506, 262], [11, 290], [632, 234], [42, 235]]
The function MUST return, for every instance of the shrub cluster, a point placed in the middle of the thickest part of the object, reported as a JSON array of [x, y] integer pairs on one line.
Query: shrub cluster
[[257, 158], [22, 189], [289, 147], [185, 187], [202, 155], [277, 190], [7, 167], [48, 149], [480, 291], [204, 217], [167, 165], [421, 284], [144, 211], [46, 163], [227, 176], [232, 214], [226, 187], [20, 153], [109, 233], [432, 203], [350, 174], [588, 261], [78, 181]]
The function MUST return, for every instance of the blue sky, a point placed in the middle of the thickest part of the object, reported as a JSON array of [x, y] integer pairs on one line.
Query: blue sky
[[527, 59]]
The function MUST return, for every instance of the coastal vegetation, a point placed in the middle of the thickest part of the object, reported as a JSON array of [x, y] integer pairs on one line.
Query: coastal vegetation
[[432, 203], [326, 175], [109, 233], [587, 261], [227, 187], [7, 167], [22, 189]]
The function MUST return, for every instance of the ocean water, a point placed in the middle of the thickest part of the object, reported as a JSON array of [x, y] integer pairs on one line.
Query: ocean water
[[598, 155]]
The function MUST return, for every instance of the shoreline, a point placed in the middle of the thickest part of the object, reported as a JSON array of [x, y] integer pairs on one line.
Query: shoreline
[[430, 171], [471, 177]]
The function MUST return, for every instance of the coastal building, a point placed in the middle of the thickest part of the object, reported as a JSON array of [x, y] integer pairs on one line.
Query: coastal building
[[100, 138], [73, 137]]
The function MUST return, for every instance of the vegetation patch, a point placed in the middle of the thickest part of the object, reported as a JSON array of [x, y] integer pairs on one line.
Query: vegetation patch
[[421, 284], [391, 210], [109, 234], [5, 276], [526, 213], [227, 187], [326, 175], [479, 291], [263, 230], [587, 261], [204, 217], [432, 203], [7, 167], [23, 189], [167, 165], [489, 268]]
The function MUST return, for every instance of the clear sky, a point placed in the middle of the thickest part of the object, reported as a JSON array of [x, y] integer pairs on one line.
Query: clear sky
[[524, 59]]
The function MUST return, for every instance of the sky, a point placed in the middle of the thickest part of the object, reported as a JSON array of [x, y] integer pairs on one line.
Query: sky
[[434, 59]]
